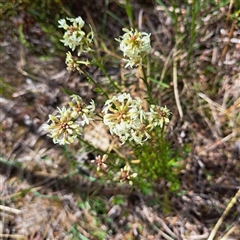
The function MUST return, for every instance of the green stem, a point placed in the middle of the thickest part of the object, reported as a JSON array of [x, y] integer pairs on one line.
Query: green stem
[[148, 86], [162, 130], [129, 12], [99, 64], [99, 151], [90, 145], [95, 83]]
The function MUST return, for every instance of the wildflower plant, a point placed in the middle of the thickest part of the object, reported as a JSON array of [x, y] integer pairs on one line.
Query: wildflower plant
[[138, 125]]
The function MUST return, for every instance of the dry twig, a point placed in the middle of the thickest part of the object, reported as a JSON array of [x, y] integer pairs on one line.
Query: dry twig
[[175, 84], [8, 209], [220, 221]]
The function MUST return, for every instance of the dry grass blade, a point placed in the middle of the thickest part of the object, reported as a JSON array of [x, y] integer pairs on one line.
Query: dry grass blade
[[166, 228], [230, 231], [223, 140], [220, 221], [8, 209], [164, 235], [175, 84], [231, 30], [11, 236], [210, 101]]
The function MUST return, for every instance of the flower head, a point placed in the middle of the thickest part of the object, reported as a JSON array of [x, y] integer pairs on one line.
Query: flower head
[[125, 175], [74, 64], [125, 118], [140, 133], [134, 45], [80, 110], [63, 128], [158, 116], [75, 37], [122, 114], [100, 162]]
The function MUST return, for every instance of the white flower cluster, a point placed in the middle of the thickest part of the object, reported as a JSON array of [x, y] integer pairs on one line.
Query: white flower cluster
[[76, 39], [134, 45], [126, 176], [62, 128], [158, 116], [74, 36], [65, 126], [125, 118], [80, 110]]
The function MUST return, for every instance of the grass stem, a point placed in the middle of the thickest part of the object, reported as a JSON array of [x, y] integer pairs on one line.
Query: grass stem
[[175, 84]]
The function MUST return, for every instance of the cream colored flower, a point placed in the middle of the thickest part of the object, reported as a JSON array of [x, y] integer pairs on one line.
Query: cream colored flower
[[126, 176], [80, 110], [100, 162], [75, 37], [140, 134], [122, 114], [74, 64], [158, 116], [63, 128], [134, 45], [125, 118]]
